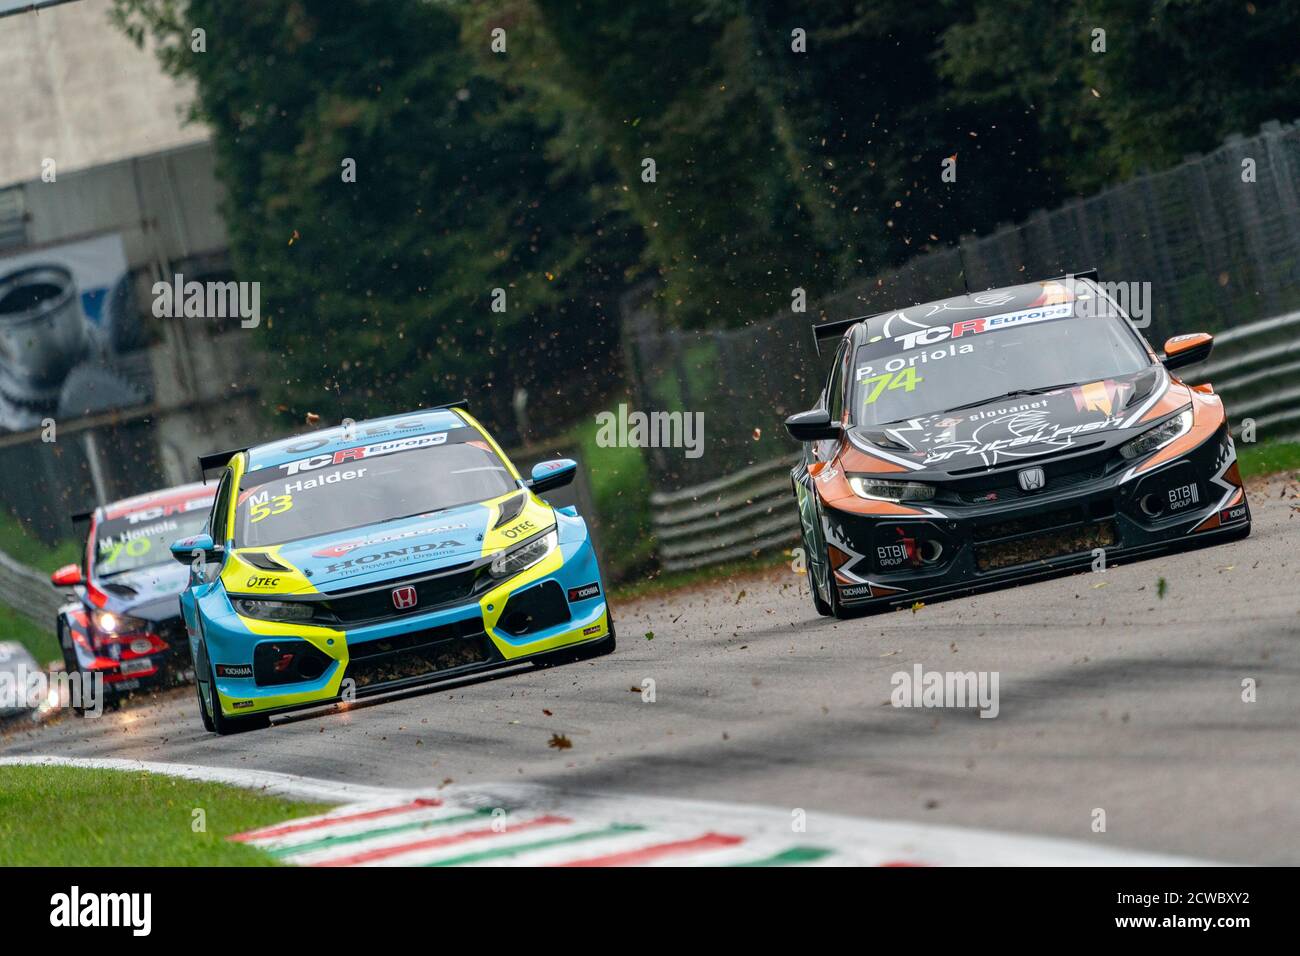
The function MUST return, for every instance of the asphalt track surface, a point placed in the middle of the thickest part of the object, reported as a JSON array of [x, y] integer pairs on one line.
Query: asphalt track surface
[[1111, 696]]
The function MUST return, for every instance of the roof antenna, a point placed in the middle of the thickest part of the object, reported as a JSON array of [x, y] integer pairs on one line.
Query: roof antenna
[[961, 256]]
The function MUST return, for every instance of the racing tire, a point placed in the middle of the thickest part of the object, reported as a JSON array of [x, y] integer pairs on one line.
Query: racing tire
[[833, 607], [602, 647], [221, 724], [208, 725], [819, 604]]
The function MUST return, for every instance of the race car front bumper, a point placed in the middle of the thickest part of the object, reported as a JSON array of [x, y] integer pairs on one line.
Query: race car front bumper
[[1090, 513], [155, 655], [263, 667]]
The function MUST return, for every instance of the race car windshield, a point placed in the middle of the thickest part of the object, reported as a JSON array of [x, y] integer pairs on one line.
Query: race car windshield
[[304, 499], [122, 544], [919, 372]]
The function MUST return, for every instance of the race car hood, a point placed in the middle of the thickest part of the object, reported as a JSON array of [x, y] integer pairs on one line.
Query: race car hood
[[148, 593], [394, 549], [1001, 432]]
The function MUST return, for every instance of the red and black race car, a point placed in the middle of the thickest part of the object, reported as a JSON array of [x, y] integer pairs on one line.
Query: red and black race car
[[991, 438], [125, 621]]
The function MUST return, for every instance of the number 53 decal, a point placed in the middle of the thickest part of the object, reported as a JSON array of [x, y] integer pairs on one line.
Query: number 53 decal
[[905, 378], [277, 506]]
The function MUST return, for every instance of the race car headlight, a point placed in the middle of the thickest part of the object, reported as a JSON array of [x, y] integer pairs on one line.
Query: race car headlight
[[275, 610], [111, 625], [509, 563], [1158, 437], [881, 490]]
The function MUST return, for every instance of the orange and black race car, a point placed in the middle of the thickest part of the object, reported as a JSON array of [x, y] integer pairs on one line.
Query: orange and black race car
[[992, 438]]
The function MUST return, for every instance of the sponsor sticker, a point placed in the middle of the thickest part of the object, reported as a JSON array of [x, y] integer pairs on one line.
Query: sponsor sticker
[[234, 670], [339, 550], [163, 511], [1184, 496], [242, 704], [1232, 514], [137, 666], [362, 453], [584, 592], [964, 327], [594, 629], [521, 530], [891, 555], [856, 590], [382, 559]]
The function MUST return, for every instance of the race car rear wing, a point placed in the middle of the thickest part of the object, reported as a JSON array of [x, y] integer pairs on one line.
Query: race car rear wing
[[833, 330], [216, 459]]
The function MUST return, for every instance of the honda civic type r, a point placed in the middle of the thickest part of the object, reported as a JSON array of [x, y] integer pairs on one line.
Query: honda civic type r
[[366, 558], [991, 438], [122, 621]]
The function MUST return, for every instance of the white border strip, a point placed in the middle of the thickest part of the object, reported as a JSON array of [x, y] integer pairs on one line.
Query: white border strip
[[856, 841]]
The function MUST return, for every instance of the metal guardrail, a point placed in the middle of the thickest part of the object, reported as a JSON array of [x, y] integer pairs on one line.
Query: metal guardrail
[[734, 517], [28, 592], [1255, 368]]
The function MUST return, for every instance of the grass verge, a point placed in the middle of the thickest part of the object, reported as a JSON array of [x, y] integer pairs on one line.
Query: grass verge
[[39, 640], [26, 548], [620, 485], [29, 550], [1268, 458], [73, 816]]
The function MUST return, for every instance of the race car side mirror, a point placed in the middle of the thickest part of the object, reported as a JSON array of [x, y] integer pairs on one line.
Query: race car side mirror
[[812, 425], [553, 474], [1184, 350], [67, 576], [184, 550]]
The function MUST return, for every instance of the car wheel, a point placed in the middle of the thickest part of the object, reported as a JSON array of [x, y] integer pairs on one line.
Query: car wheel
[[809, 551], [208, 725], [224, 725], [819, 604]]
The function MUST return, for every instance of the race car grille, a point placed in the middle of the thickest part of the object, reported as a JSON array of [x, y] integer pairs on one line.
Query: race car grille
[[1005, 485], [1045, 545], [419, 653], [377, 603]]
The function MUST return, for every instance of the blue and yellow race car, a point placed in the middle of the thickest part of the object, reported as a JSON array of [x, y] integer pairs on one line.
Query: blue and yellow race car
[[374, 556]]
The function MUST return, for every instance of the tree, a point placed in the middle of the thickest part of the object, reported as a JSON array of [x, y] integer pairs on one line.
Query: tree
[[380, 291]]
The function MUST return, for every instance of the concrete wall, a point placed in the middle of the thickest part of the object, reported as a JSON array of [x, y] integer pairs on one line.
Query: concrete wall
[[78, 91]]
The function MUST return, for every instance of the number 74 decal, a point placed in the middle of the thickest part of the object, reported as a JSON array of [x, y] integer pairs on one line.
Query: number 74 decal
[[905, 378]]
